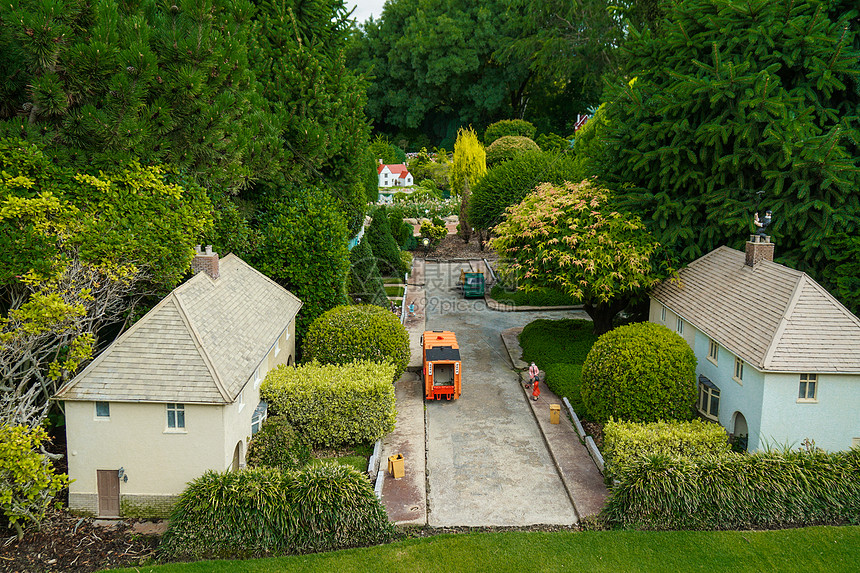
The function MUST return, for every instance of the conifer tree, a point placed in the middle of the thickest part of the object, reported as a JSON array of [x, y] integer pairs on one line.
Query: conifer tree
[[108, 82], [469, 166], [735, 107]]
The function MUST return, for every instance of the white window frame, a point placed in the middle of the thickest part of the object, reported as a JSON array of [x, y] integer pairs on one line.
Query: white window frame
[[679, 326], [663, 313], [705, 400], [738, 375], [258, 377], [178, 411], [803, 389], [713, 351], [101, 417], [242, 400], [278, 346]]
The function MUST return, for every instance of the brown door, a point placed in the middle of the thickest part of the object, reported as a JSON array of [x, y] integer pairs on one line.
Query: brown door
[[108, 482]]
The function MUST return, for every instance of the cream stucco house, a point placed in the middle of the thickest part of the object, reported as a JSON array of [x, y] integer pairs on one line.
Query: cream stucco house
[[778, 356], [178, 393]]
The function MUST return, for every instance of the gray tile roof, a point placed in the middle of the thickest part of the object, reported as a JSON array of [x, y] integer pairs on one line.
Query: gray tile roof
[[774, 317], [200, 344]]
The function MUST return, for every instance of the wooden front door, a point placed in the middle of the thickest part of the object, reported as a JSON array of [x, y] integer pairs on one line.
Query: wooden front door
[[108, 484]]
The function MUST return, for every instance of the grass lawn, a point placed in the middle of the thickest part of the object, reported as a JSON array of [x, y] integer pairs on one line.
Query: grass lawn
[[541, 297], [559, 348], [395, 291], [392, 280], [826, 549], [356, 456]]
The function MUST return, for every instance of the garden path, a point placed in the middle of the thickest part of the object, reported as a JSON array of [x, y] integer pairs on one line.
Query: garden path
[[487, 462]]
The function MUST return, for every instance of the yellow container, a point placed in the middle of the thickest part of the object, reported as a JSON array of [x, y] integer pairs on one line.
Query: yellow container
[[395, 466], [554, 413]]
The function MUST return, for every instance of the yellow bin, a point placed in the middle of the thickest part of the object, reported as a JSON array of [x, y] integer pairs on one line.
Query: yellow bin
[[554, 413], [395, 466]]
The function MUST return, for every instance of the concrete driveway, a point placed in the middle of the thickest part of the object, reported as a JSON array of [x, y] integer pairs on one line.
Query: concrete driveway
[[487, 462]]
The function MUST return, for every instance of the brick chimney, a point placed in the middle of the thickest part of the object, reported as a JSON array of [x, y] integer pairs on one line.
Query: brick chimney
[[206, 262], [759, 248]]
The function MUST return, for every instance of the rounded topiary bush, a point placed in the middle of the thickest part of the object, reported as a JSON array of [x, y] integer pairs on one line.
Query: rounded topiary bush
[[509, 127], [508, 147], [278, 445], [641, 372], [360, 332]]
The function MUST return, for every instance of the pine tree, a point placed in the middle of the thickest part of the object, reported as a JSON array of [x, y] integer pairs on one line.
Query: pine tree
[[735, 107], [469, 166], [109, 82]]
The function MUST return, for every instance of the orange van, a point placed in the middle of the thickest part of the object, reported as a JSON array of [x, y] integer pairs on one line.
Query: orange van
[[442, 367]]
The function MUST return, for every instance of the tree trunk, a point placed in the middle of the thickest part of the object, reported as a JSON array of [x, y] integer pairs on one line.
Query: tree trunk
[[602, 314]]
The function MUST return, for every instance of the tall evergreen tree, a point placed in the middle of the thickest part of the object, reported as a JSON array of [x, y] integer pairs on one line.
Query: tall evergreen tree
[[735, 107], [103, 82]]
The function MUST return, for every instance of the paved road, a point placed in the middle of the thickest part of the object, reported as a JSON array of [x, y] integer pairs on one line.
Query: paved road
[[487, 462]]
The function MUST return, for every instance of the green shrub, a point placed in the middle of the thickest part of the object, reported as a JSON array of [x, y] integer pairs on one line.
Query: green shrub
[[332, 405], [508, 184], [406, 260], [365, 281], [508, 147], [626, 441], [382, 243], [566, 381], [304, 249], [737, 491], [640, 372], [565, 341], [28, 483], [264, 511], [552, 142], [278, 445], [400, 229], [507, 127], [433, 232], [538, 297], [358, 332]]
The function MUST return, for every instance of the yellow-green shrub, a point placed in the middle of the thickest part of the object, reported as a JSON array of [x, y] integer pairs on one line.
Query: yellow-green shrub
[[332, 405], [626, 441], [358, 332], [28, 483]]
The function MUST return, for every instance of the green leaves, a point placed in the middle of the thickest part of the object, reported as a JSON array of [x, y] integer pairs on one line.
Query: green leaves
[[331, 405], [28, 483], [640, 372]]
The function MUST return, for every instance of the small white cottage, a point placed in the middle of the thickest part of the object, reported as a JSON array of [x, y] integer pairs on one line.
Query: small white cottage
[[393, 175], [179, 392], [778, 356]]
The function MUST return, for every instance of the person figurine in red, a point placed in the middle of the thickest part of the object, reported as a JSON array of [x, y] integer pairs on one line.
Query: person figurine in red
[[534, 371]]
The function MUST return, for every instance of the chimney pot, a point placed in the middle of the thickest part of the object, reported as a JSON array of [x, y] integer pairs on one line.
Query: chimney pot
[[759, 248], [206, 262]]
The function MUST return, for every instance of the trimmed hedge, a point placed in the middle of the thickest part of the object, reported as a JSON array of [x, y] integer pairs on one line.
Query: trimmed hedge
[[737, 491], [333, 405], [508, 147], [358, 332], [624, 442], [565, 380], [508, 184], [278, 445], [565, 341], [537, 297], [505, 127], [263, 511], [640, 372]]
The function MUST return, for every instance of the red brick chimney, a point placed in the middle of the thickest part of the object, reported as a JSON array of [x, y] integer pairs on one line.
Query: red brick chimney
[[759, 248], [206, 262]]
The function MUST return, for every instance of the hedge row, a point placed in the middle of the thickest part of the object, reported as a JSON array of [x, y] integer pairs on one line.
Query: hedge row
[[332, 405], [737, 491], [624, 442], [264, 511]]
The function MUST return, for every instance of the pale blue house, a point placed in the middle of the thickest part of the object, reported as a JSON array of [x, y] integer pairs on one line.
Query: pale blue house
[[779, 357]]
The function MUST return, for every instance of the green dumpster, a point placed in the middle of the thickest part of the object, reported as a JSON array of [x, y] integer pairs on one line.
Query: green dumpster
[[473, 285]]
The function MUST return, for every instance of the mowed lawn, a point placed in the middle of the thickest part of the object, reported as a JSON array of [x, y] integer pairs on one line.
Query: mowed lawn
[[827, 549]]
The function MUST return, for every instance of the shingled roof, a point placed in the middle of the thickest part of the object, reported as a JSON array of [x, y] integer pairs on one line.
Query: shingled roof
[[200, 345], [776, 318]]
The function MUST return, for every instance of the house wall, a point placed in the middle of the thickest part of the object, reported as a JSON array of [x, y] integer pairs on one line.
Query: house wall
[[671, 322], [158, 462], [832, 421]]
